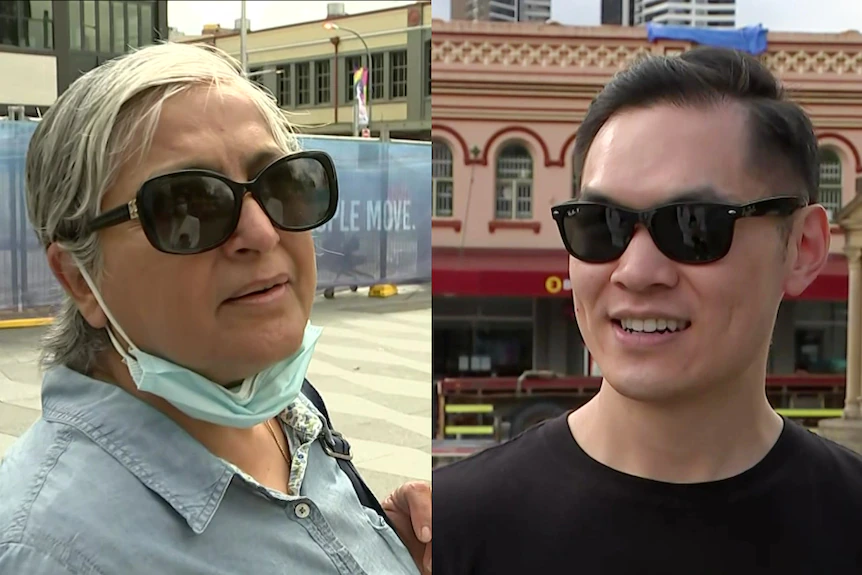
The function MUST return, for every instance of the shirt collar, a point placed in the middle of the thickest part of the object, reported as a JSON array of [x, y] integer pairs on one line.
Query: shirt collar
[[150, 445]]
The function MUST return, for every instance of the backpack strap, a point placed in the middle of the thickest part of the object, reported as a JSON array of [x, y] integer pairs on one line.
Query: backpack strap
[[339, 449]]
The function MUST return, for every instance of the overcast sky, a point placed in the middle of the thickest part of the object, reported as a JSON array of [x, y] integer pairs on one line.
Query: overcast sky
[[803, 16], [190, 16]]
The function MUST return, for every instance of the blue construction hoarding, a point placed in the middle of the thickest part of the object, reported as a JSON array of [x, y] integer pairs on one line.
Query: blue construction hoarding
[[381, 232]]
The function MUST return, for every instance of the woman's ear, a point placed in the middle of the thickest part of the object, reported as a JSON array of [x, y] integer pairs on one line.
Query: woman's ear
[[67, 273]]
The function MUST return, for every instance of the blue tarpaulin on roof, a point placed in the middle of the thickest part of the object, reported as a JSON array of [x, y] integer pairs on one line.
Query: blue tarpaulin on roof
[[751, 39]]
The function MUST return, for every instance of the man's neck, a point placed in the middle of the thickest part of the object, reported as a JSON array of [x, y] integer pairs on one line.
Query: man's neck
[[698, 440]]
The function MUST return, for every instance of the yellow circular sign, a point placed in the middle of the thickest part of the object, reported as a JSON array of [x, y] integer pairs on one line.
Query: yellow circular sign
[[553, 284]]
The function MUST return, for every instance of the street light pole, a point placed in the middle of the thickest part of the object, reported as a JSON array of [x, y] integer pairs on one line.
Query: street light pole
[[243, 48], [368, 96]]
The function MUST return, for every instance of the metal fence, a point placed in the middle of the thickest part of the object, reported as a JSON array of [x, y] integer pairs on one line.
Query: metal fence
[[381, 232]]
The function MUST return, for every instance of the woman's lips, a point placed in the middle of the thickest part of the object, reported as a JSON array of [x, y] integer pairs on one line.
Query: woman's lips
[[270, 295]]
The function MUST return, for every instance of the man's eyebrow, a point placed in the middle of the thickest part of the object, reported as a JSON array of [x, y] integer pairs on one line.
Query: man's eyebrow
[[700, 194]]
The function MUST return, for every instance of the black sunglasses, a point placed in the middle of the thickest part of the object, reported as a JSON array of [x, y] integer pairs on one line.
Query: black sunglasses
[[193, 211], [687, 233]]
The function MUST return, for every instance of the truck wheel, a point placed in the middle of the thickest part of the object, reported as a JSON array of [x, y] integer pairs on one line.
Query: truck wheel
[[329, 293], [533, 414]]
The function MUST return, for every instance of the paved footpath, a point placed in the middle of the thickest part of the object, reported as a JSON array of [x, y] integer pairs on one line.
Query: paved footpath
[[372, 365]]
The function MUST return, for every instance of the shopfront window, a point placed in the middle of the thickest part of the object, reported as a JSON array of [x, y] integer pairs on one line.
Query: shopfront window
[[483, 349], [482, 337], [820, 337]]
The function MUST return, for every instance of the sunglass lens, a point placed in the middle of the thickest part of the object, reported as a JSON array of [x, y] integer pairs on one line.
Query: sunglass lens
[[297, 193], [190, 213], [596, 233], [693, 233]]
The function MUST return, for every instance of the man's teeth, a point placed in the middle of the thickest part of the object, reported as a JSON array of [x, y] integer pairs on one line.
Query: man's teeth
[[652, 325]]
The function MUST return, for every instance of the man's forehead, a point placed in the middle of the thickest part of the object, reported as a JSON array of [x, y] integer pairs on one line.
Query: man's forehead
[[669, 153], [704, 193]]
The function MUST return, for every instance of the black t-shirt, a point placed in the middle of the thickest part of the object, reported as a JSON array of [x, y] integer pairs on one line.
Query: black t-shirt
[[540, 505]]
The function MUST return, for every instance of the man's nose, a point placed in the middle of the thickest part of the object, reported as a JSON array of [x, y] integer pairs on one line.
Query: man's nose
[[643, 266]]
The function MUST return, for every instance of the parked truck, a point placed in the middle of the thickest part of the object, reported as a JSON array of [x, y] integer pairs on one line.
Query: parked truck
[[472, 413]]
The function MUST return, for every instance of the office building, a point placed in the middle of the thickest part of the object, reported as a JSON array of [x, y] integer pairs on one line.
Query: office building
[[700, 13], [46, 44], [309, 69], [502, 10]]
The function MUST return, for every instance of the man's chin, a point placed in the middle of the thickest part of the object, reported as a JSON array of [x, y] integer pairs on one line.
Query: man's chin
[[647, 388]]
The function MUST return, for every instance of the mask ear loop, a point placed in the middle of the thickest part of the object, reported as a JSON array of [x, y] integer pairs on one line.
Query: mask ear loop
[[126, 355]]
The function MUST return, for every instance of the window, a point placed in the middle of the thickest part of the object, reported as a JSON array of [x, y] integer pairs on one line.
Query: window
[[398, 74], [75, 25], [111, 27], [378, 67], [323, 79], [514, 183], [283, 92], [119, 27], [351, 64], [28, 24], [441, 179], [89, 11], [103, 26], [303, 84], [829, 191], [134, 39], [148, 25], [428, 68]]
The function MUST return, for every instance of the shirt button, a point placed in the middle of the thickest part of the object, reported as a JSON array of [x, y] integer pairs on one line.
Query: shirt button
[[302, 510]]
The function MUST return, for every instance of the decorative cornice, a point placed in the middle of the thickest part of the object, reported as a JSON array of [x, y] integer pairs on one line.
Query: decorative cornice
[[563, 51]]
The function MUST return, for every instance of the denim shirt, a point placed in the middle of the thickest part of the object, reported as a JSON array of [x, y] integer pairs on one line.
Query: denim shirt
[[105, 484]]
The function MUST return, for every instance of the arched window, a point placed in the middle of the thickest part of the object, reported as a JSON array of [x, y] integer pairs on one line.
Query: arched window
[[829, 191], [514, 198], [441, 179]]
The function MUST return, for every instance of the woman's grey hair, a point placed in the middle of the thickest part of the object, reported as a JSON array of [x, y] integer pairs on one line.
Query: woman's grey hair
[[104, 118]]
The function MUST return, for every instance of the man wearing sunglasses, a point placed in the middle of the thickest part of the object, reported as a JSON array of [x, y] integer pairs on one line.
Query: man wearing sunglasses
[[695, 215], [178, 433]]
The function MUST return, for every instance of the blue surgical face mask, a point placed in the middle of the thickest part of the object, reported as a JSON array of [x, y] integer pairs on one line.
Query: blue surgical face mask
[[257, 399]]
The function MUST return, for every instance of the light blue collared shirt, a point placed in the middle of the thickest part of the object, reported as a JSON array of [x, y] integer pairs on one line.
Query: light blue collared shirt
[[105, 484]]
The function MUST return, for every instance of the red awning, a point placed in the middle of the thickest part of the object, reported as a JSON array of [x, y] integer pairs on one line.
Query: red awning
[[542, 273]]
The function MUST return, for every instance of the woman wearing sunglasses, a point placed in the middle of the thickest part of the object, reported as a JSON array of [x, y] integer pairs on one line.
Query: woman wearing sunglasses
[[178, 433]]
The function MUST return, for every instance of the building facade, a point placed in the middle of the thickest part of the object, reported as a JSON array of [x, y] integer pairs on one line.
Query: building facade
[[502, 156], [699, 13], [502, 10], [309, 69], [46, 44]]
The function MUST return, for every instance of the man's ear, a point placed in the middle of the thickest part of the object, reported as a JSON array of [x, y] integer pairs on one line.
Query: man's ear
[[807, 249], [69, 276]]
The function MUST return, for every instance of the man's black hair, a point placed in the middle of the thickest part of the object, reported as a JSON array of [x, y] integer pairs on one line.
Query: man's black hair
[[782, 138]]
